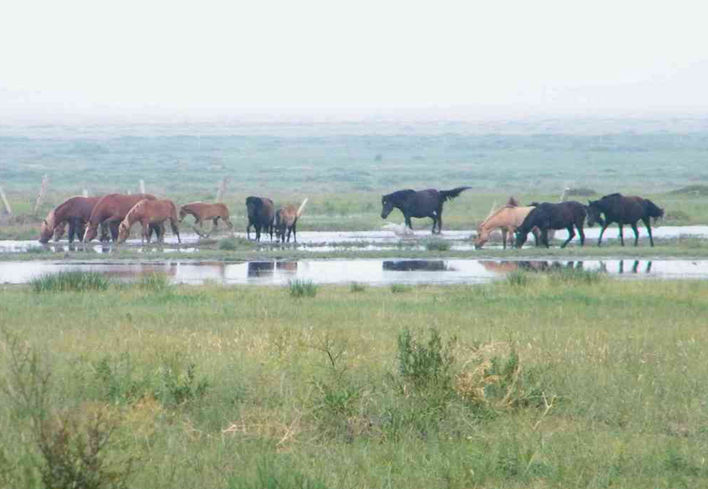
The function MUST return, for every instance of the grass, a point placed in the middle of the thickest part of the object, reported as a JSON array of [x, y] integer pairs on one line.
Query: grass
[[302, 288], [573, 383], [70, 282]]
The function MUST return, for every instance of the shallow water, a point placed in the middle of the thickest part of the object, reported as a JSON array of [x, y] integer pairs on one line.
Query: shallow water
[[323, 241], [365, 271]]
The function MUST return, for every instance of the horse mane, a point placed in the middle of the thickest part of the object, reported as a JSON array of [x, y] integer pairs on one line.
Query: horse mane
[[512, 202], [139, 205], [652, 209], [399, 194]]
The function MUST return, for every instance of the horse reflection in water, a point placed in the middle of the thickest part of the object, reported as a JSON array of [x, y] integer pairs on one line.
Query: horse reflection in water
[[415, 265], [620, 267], [529, 266], [268, 268]]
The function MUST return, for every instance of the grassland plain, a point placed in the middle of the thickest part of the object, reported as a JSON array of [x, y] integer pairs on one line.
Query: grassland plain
[[558, 381]]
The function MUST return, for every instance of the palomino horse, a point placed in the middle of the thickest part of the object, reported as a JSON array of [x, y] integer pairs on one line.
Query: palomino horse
[[112, 209], [148, 212], [75, 212], [623, 210], [547, 216], [286, 220], [508, 218], [421, 203], [204, 212], [261, 214]]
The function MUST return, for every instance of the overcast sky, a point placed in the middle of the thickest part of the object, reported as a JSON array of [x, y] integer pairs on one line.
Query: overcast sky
[[61, 59]]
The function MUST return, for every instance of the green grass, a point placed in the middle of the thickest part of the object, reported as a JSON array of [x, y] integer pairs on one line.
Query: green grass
[[70, 282], [302, 288], [572, 383]]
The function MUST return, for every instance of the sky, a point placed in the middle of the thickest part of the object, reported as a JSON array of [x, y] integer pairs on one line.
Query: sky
[[64, 60]]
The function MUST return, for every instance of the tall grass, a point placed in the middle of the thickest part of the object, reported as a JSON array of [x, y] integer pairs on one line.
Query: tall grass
[[302, 288], [70, 282]]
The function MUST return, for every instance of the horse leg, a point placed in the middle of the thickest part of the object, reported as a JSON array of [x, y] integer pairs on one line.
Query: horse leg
[[440, 220], [636, 233], [175, 229], [407, 219], [571, 235], [544, 237], [621, 233], [248, 230], [295, 233], [503, 231], [581, 232], [647, 223], [602, 231]]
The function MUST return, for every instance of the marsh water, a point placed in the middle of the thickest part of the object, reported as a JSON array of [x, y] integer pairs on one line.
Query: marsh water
[[364, 271]]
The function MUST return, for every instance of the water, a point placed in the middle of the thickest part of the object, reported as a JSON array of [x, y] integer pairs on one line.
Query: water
[[365, 271], [322, 241]]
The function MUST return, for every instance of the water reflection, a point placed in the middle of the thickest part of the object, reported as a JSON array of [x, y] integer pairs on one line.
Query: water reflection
[[415, 265], [636, 265]]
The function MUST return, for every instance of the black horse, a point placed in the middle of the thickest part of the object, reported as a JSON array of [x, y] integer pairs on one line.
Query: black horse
[[261, 213], [545, 216], [421, 203], [623, 210]]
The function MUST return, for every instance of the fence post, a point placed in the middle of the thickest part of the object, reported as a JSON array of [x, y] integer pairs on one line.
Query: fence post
[[42, 192], [85, 193], [5, 203], [222, 189], [142, 186]]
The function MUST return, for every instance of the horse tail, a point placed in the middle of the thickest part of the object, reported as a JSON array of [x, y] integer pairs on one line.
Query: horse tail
[[301, 208], [512, 202], [451, 194]]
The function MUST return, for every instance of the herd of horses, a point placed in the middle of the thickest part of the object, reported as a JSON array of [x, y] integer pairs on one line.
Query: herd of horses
[[115, 214]]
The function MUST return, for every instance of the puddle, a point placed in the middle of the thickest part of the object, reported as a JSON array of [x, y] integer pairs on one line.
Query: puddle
[[323, 241], [365, 271]]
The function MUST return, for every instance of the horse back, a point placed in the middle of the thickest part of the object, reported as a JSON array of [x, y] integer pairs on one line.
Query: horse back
[[115, 205]]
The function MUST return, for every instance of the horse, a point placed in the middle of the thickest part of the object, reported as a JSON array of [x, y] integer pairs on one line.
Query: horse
[[203, 212], [545, 216], [112, 209], [421, 203], [261, 214], [74, 211], [508, 218], [623, 210], [148, 212], [286, 220]]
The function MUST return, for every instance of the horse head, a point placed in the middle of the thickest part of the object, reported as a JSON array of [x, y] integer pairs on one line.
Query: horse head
[[45, 232], [387, 206], [594, 213], [123, 230], [90, 233], [59, 231], [482, 237], [182, 214]]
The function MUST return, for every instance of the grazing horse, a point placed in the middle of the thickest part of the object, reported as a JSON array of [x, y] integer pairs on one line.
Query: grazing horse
[[623, 210], [508, 218], [203, 212], [75, 212], [421, 203], [148, 212], [547, 216], [261, 214], [111, 209], [286, 220]]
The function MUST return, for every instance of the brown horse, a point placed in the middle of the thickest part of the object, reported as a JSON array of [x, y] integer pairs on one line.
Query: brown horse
[[286, 220], [148, 212], [75, 212], [261, 214], [112, 209], [203, 212], [508, 218], [623, 210]]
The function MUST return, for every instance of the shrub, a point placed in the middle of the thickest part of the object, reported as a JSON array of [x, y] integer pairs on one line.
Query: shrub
[[70, 282], [357, 287], [437, 244], [176, 388], [302, 288], [425, 364], [228, 244]]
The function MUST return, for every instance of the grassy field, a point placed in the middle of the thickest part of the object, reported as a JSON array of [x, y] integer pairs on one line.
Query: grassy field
[[558, 381]]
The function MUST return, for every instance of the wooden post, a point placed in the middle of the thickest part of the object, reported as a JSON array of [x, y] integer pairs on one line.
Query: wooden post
[[8, 209], [42, 192], [142, 186], [222, 189], [85, 193]]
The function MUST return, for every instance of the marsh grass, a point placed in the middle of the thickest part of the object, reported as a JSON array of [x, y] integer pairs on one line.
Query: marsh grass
[[70, 282], [302, 288], [155, 282], [562, 384], [357, 287], [227, 244], [575, 275], [400, 288], [437, 244], [517, 278]]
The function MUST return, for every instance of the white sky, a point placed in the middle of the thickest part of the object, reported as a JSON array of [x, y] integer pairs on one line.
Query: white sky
[[60, 58]]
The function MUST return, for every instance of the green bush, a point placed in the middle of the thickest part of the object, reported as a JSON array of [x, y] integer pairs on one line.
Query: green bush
[[517, 278], [154, 281], [228, 244], [424, 364], [302, 288], [437, 244], [70, 282]]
